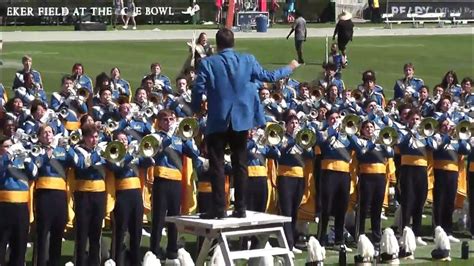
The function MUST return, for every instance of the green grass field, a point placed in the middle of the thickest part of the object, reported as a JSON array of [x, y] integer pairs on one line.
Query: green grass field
[[432, 55]]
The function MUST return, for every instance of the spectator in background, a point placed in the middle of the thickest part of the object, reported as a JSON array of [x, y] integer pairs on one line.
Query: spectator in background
[[299, 27], [274, 6], [374, 11], [118, 12], [344, 31], [131, 14]]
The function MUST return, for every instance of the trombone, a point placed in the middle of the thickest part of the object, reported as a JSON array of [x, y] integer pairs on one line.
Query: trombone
[[188, 128], [305, 138], [388, 136], [115, 151]]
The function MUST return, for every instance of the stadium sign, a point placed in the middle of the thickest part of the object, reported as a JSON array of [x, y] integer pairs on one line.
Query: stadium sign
[[464, 7]]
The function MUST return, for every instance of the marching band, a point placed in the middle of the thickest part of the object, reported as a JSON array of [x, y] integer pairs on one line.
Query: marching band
[[104, 152]]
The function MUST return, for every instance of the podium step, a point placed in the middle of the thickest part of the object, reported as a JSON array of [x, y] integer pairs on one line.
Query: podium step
[[255, 253]]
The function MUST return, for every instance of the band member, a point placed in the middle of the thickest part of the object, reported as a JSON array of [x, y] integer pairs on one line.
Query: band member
[[257, 192], [89, 198], [167, 182], [19, 80], [106, 108], [128, 210], [409, 85], [135, 126], [335, 177], [30, 90], [81, 80], [330, 78], [50, 196], [413, 178], [69, 106], [119, 86], [425, 104], [40, 114], [372, 162], [446, 174], [450, 84], [336, 58], [160, 79], [16, 110], [467, 94], [373, 91], [181, 103], [290, 180], [16, 169]]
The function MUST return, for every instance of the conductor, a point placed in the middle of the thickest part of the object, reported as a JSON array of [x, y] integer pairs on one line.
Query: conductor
[[228, 81]]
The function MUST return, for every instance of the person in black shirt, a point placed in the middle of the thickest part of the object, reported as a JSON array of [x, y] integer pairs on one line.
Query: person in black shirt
[[344, 31]]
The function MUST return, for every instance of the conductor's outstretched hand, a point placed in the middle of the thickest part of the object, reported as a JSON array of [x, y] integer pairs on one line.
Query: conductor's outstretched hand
[[294, 64]]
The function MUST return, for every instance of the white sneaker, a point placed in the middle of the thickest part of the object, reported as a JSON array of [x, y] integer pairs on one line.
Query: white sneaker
[[297, 251], [452, 239], [145, 233], [383, 217], [420, 242], [29, 245], [423, 216], [124, 27], [134, 27]]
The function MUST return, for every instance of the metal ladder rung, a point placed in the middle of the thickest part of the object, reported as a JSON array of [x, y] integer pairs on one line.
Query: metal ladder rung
[[255, 253]]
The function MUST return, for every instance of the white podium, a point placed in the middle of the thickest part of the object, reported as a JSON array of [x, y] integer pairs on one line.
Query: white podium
[[260, 225]]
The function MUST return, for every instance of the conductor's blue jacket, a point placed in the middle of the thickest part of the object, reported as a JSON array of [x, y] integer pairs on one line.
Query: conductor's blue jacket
[[227, 79]]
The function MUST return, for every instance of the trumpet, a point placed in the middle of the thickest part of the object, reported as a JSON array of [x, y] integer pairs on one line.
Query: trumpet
[[357, 95], [149, 145], [83, 94], [75, 137], [463, 130], [317, 93], [36, 150], [34, 138], [313, 114], [388, 136], [350, 124], [63, 112], [306, 138], [111, 125], [149, 111], [428, 127], [156, 98], [273, 134], [188, 128], [114, 151], [277, 96]]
